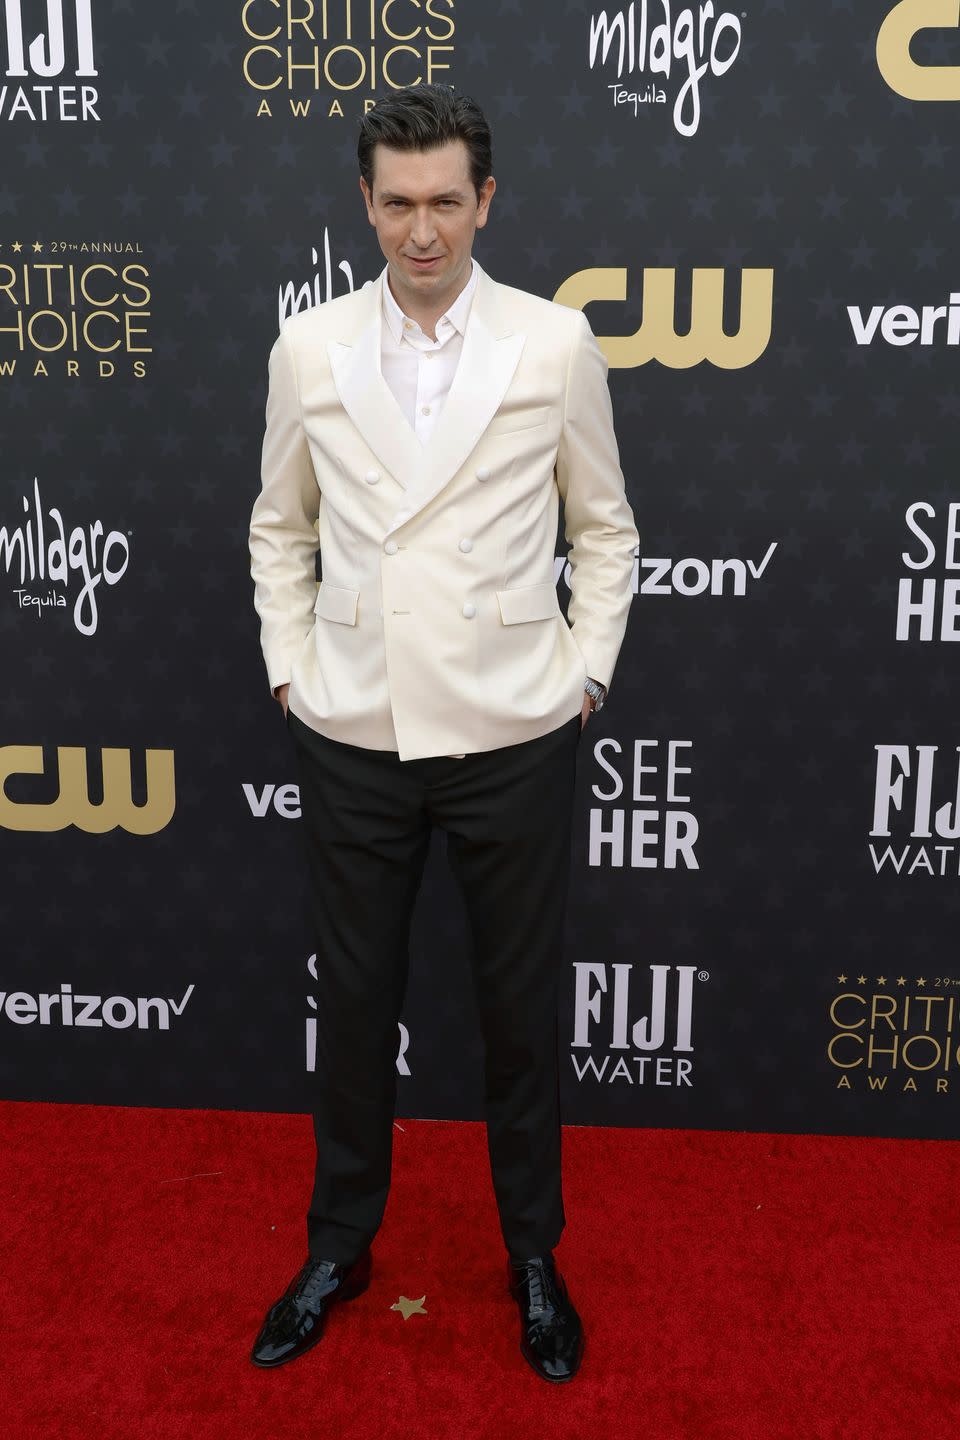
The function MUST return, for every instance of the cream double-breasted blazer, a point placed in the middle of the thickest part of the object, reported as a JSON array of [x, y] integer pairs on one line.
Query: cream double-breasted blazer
[[436, 628]]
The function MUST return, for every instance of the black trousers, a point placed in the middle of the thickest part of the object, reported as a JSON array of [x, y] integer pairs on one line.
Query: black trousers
[[367, 818]]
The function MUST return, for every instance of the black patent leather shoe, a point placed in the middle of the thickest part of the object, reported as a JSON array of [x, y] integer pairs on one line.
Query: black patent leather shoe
[[295, 1322], [551, 1335]]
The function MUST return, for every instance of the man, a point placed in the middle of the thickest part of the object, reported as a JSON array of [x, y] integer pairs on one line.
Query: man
[[422, 432]]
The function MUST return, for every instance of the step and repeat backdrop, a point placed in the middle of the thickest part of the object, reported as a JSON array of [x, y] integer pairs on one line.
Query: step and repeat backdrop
[[757, 210]]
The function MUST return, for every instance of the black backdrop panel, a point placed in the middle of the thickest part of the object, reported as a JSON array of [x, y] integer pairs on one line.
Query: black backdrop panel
[[757, 211]]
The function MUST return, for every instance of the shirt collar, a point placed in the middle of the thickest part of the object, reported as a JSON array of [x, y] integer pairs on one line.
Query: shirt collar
[[456, 314]]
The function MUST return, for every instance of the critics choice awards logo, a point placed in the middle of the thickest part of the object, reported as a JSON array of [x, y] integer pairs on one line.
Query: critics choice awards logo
[[895, 1033], [653, 48], [73, 306], [305, 59]]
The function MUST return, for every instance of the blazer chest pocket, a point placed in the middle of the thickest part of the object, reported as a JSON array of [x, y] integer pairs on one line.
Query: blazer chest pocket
[[333, 602], [529, 602], [510, 420]]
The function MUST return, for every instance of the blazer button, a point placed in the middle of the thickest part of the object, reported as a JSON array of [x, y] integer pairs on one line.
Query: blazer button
[[469, 610], [466, 545], [483, 473], [372, 476], [391, 547]]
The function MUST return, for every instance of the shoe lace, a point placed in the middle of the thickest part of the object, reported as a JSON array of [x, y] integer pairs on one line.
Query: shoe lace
[[314, 1275], [544, 1295]]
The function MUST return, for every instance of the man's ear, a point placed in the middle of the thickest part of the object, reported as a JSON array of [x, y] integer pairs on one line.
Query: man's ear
[[486, 195], [368, 197]]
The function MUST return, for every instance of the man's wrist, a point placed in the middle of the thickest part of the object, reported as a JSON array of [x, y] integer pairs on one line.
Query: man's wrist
[[597, 692]]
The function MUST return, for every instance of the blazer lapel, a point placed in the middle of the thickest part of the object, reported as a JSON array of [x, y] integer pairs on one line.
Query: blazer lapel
[[368, 399], [488, 361]]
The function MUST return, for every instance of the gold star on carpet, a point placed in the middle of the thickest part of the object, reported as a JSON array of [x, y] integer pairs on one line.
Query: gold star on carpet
[[901, 979], [841, 979], [409, 1307], [861, 979]]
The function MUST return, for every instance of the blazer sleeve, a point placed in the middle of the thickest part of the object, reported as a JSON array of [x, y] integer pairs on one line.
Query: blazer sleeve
[[598, 520], [283, 523]]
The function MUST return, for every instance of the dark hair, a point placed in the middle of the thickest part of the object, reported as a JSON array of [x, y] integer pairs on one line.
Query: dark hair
[[424, 117]]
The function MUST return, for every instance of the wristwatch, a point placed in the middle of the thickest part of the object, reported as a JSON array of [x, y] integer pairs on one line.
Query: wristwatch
[[597, 693]]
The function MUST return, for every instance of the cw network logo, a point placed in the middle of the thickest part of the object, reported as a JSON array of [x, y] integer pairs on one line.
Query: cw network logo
[[72, 804], [897, 66], [47, 54], [657, 338]]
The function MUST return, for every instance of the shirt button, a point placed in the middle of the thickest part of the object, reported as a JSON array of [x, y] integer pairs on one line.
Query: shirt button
[[469, 610], [372, 476], [424, 409], [466, 545], [428, 354], [483, 473], [408, 325], [391, 547]]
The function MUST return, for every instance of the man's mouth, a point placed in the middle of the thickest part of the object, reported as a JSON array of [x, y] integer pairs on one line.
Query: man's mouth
[[426, 262]]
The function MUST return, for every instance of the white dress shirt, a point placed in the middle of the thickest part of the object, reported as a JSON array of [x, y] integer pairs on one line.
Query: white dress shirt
[[418, 370]]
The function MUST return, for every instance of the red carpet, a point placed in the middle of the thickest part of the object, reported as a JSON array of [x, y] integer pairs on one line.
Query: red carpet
[[733, 1287]]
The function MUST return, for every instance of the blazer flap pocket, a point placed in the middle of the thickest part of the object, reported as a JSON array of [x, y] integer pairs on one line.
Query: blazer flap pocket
[[335, 603], [521, 419], [529, 602]]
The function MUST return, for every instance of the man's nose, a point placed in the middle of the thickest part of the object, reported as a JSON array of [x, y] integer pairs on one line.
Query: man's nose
[[423, 231]]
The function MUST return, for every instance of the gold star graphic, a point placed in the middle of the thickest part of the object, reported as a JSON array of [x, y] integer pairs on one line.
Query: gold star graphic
[[921, 982], [861, 979], [409, 1307], [17, 245], [841, 979], [881, 979], [38, 245], [901, 979]]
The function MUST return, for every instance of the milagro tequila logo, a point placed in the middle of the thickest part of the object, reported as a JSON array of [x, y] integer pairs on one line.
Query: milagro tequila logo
[[46, 560], [291, 298], [635, 42]]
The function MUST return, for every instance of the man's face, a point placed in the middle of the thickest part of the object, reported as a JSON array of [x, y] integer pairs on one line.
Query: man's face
[[425, 211]]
